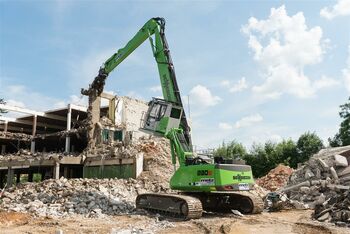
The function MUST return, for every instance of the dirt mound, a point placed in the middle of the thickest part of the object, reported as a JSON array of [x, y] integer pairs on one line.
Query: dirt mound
[[276, 178], [13, 218]]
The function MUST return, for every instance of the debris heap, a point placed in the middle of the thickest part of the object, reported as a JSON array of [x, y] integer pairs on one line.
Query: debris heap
[[93, 197], [276, 178], [323, 184]]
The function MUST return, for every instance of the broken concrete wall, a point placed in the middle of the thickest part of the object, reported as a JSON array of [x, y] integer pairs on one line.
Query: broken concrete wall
[[129, 113]]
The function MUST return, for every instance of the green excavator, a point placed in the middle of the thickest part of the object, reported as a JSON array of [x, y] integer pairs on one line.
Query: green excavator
[[212, 186]]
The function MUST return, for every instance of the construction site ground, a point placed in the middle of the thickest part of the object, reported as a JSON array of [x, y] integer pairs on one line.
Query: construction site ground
[[292, 221]]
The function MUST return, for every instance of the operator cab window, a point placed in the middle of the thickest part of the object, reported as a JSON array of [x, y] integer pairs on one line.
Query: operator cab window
[[175, 113]]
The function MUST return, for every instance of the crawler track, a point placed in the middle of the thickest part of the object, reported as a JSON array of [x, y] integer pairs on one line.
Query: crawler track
[[225, 201], [179, 206]]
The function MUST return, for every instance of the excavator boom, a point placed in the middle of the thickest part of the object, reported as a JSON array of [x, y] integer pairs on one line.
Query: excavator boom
[[154, 27]]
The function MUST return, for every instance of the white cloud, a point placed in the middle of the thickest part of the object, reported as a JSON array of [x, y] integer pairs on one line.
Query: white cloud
[[12, 102], [239, 86], [266, 136], [21, 96], [156, 88], [85, 70], [248, 120], [225, 83], [341, 8], [202, 96], [79, 100], [283, 45], [325, 82], [225, 126], [346, 72]]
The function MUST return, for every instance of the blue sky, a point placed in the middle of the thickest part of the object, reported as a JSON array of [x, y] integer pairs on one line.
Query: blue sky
[[254, 70]]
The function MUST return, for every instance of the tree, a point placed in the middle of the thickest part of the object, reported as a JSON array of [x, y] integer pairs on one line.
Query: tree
[[285, 151], [261, 158], [342, 138], [307, 145], [232, 150]]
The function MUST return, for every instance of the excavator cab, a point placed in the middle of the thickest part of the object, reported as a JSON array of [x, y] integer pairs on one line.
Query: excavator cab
[[161, 116]]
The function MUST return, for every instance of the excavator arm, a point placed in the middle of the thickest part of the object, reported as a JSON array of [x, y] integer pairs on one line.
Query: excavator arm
[[159, 45]]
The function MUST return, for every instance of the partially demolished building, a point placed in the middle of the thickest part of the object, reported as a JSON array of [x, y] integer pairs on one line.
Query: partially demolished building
[[56, 142]]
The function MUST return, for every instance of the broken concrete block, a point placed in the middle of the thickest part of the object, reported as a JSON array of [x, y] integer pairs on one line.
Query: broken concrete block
[[334, 173], [323, 164], [299, 205], [304, 189], [309, 174], [324, 217], [345, 179], [295, 187], [341, 187], [340, 160], [317, 173], [321, 199], [315, 182], [345, 172]]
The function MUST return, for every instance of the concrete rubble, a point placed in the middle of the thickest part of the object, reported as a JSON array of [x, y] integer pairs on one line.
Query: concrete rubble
[[23, 154], [15, 136], [323, 184], [276, 178], [93, 197]]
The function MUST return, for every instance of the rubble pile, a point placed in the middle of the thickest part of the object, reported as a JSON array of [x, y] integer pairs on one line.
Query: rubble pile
[[276, 178], [87, 197], [323, 184], [93, 197], [24, 154], [157, 160], [15, 136]]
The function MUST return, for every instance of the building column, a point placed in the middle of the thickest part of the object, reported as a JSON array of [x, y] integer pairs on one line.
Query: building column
[[6, 126], [69, 124], [3, 149], [30, 176], [1, 179], [10, 173], [32, 144], [56, 171]]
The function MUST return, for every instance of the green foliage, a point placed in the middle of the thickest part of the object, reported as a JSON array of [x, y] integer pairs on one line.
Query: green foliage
[[264, 157], [260, 158], [342, 138], [307, 145], [286, 151], [232, 150], [36, 177]]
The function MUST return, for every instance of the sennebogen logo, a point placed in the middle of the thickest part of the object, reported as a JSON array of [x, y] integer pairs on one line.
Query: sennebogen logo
[[240, 177]]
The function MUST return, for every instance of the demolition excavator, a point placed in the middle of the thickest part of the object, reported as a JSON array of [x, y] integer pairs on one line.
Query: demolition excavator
[[212, 186]]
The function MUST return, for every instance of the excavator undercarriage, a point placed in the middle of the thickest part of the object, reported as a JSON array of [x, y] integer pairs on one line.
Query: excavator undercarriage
[[191, 205]]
